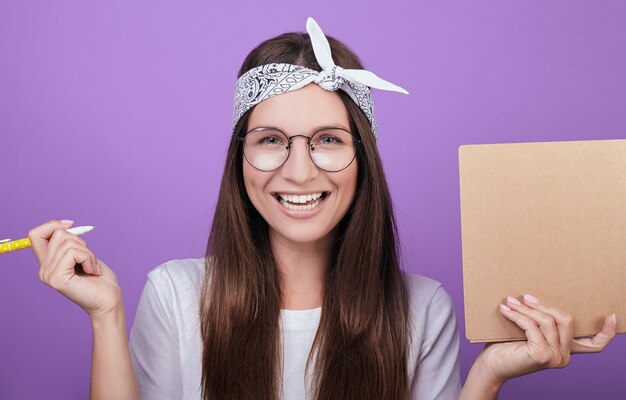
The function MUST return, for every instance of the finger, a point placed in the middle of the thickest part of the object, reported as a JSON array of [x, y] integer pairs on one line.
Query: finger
[[103, 268], [545, 322], [57, 238], [599, 341], [62, 273], [40, 235], [564, 321], [534, 335], [59, 243], [68, 244]]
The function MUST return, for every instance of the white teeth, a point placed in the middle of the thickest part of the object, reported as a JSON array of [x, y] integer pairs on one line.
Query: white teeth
[[303, 198], [294, 207]]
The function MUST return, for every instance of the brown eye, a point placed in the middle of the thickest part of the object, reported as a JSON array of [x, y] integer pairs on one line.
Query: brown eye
[[270, 140]]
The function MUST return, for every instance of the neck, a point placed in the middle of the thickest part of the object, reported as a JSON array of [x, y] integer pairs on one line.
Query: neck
[[302, 267]]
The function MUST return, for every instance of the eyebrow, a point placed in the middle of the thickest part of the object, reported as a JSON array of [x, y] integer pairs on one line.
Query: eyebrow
[[316, 129]]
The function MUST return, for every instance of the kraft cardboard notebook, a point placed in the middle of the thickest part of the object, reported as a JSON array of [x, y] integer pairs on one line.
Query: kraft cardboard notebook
[[547, 219]]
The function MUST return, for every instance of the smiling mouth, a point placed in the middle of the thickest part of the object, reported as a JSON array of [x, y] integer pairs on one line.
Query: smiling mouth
[[301, 202]]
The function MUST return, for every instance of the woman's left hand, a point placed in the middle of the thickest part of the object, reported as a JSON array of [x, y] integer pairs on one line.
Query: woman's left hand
[[550, 334]]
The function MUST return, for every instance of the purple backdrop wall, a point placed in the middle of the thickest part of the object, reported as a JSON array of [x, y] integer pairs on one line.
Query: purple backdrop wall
[[117, 114]]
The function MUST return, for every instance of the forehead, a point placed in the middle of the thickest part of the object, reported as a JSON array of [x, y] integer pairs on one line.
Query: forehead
[[301, 110]]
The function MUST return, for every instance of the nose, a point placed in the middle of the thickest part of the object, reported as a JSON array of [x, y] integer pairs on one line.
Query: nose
[[299, 167]]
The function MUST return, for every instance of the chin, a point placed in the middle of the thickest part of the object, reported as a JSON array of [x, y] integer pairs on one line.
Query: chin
[[299, 234]]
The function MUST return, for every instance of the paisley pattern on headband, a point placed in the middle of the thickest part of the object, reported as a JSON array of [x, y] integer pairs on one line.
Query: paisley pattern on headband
[[269, 80], [363, 98]]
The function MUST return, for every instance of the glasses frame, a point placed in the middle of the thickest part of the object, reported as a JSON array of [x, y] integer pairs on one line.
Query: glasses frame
[[242, 140]]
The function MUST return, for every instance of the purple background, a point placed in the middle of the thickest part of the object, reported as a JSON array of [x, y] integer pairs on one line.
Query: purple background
[[117, 114]]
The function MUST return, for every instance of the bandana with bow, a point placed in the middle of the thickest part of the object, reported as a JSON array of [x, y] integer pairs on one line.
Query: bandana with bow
[[269, 80]]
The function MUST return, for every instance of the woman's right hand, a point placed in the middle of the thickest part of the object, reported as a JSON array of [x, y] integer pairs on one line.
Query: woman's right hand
[[67, 265]]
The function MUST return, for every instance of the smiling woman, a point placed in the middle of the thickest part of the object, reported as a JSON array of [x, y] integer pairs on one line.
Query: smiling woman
[[308, 259], [301, 292]]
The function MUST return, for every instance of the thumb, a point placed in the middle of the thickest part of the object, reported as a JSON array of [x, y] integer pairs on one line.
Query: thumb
[[40, 235]]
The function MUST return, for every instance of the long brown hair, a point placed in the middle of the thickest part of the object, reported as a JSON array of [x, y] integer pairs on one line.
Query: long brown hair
[[360, 350]]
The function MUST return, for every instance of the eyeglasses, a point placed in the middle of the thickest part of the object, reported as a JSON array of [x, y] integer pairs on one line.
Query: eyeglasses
[[267, 149]]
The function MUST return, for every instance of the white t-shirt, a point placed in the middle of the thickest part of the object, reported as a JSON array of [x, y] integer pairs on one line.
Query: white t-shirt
[[166, 348]]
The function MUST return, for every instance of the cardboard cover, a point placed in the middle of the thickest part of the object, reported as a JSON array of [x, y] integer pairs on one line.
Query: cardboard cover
[[548, 219]]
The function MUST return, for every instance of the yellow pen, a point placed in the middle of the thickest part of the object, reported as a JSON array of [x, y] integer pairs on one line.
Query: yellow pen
[[6, 245]]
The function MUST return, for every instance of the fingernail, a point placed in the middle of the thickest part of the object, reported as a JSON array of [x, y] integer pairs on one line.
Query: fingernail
[[67, 221], [505, 308], [98, 269], [513, 300], [614, 320], [531, 299]]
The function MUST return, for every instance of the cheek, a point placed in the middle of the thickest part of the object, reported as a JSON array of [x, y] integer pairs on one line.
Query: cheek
[[351, 180], [254, 181], [347, 185]]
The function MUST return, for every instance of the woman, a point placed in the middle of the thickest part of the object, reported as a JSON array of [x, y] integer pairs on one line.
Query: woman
[[301, 292]]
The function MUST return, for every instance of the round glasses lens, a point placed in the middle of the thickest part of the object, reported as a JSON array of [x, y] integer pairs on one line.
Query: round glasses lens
[[332, 149], [265, 148]]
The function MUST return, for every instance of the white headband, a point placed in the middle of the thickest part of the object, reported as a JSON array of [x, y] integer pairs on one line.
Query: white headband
[[269, 80]]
